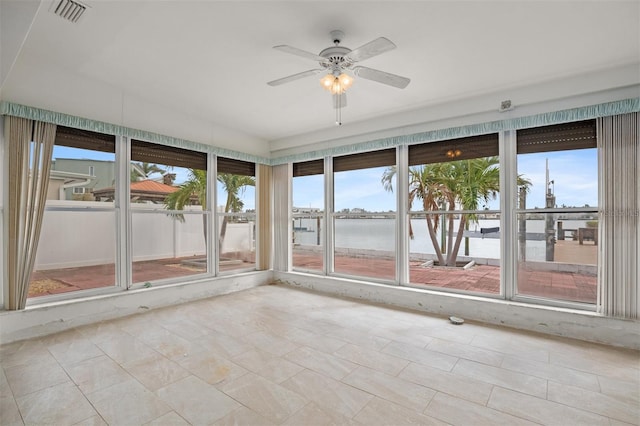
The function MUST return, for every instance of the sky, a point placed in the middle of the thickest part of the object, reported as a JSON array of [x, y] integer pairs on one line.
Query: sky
[[574, 176], [182, 174]]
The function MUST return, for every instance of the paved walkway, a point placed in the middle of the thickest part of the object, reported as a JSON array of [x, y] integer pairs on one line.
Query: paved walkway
[[480, 278]]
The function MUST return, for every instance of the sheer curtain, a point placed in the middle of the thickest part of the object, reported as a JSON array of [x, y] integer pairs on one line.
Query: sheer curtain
[[30, 150], [618, 143], [282, 217]]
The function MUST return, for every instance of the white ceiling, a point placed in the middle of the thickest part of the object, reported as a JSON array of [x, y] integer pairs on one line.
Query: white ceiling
[[212, 59]]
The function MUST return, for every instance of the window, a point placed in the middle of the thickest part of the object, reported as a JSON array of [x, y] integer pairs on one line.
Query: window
[[77, 246], [364, 215], [558, 212], [236, 210], [169, 217], [308, 216], [454, 228]]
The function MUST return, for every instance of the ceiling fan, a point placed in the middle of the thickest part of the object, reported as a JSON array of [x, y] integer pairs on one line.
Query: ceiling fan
[[337, 59]]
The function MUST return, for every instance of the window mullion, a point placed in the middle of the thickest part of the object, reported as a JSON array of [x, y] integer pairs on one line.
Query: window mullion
[[402, 220], [508, 204], [213, 252], [210, 213], [329, 246], [123, 213]]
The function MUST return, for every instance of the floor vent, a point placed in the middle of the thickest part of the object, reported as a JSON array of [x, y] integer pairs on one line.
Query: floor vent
[[70, 10]]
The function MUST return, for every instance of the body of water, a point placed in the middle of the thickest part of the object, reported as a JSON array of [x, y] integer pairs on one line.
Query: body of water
[[379, 234]]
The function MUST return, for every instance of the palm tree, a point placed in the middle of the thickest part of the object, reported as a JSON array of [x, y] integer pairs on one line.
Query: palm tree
[[445, 186], [143, 170], [233, 185], [196, 186]]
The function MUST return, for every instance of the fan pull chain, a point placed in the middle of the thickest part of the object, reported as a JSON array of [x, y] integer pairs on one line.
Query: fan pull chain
[[339, 110]]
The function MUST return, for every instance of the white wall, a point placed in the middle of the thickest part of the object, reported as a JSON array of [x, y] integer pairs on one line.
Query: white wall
[[592, 88], [77, 95], [84, 238]]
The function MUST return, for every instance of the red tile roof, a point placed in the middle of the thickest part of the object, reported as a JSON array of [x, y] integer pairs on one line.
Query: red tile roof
[[152, 186]]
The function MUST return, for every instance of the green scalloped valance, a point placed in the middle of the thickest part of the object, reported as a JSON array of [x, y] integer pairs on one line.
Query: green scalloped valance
[[556, 117]]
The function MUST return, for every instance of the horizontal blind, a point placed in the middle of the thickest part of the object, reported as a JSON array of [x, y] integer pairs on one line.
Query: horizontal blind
[[148, 152], [365, 160], [236, 167], [469, 147], [558, 137], [308, 168], [85, 139]]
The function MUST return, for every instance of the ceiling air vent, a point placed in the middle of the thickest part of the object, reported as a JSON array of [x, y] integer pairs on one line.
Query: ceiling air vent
[[70, 10]]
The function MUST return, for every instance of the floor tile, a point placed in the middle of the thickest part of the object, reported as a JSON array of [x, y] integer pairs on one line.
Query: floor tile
[[211, 367], [447, 382], [540, 410], [508, 343], [420, 355], [190, 330], [168, 344], [382, 412], [327, 393], [127, 403], [75, 351], [169, 419], [321, 362], [622, 389], [196, 401], [557, 373], [57, 405], [125, 349], [26, 378], [223, 344], [301, 358], [604, 368], [362, 339], [394, 389], [312, 415], [498, 376], [9, 413], [268, 399], [96, 373], [243, 416], [458, 411], [595, 402], [403, 334], [156, 372], [29, 352], [270, 343], [375, 360], [314, 340], [92, 421], [465, 351], [267, 365]]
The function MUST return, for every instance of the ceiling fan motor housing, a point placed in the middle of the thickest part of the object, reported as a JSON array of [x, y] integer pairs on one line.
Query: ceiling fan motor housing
[[335, 56]]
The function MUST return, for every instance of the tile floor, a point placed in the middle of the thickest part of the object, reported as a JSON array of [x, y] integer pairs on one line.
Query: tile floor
[[277, 355]]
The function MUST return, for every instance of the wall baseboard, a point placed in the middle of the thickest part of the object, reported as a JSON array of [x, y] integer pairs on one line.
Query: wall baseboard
[[575, 324], [49, 318]]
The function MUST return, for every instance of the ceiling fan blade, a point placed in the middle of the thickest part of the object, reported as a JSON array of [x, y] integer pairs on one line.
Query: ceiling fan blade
[[293, 77], [382, 77], [373, 48], [299, 52], [339, 101]]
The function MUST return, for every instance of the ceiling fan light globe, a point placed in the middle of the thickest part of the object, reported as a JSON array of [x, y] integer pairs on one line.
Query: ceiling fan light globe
[[345, 81], [327, 81]]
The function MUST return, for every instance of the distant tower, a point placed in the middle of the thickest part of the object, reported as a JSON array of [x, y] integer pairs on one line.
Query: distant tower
[[549, 230]]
